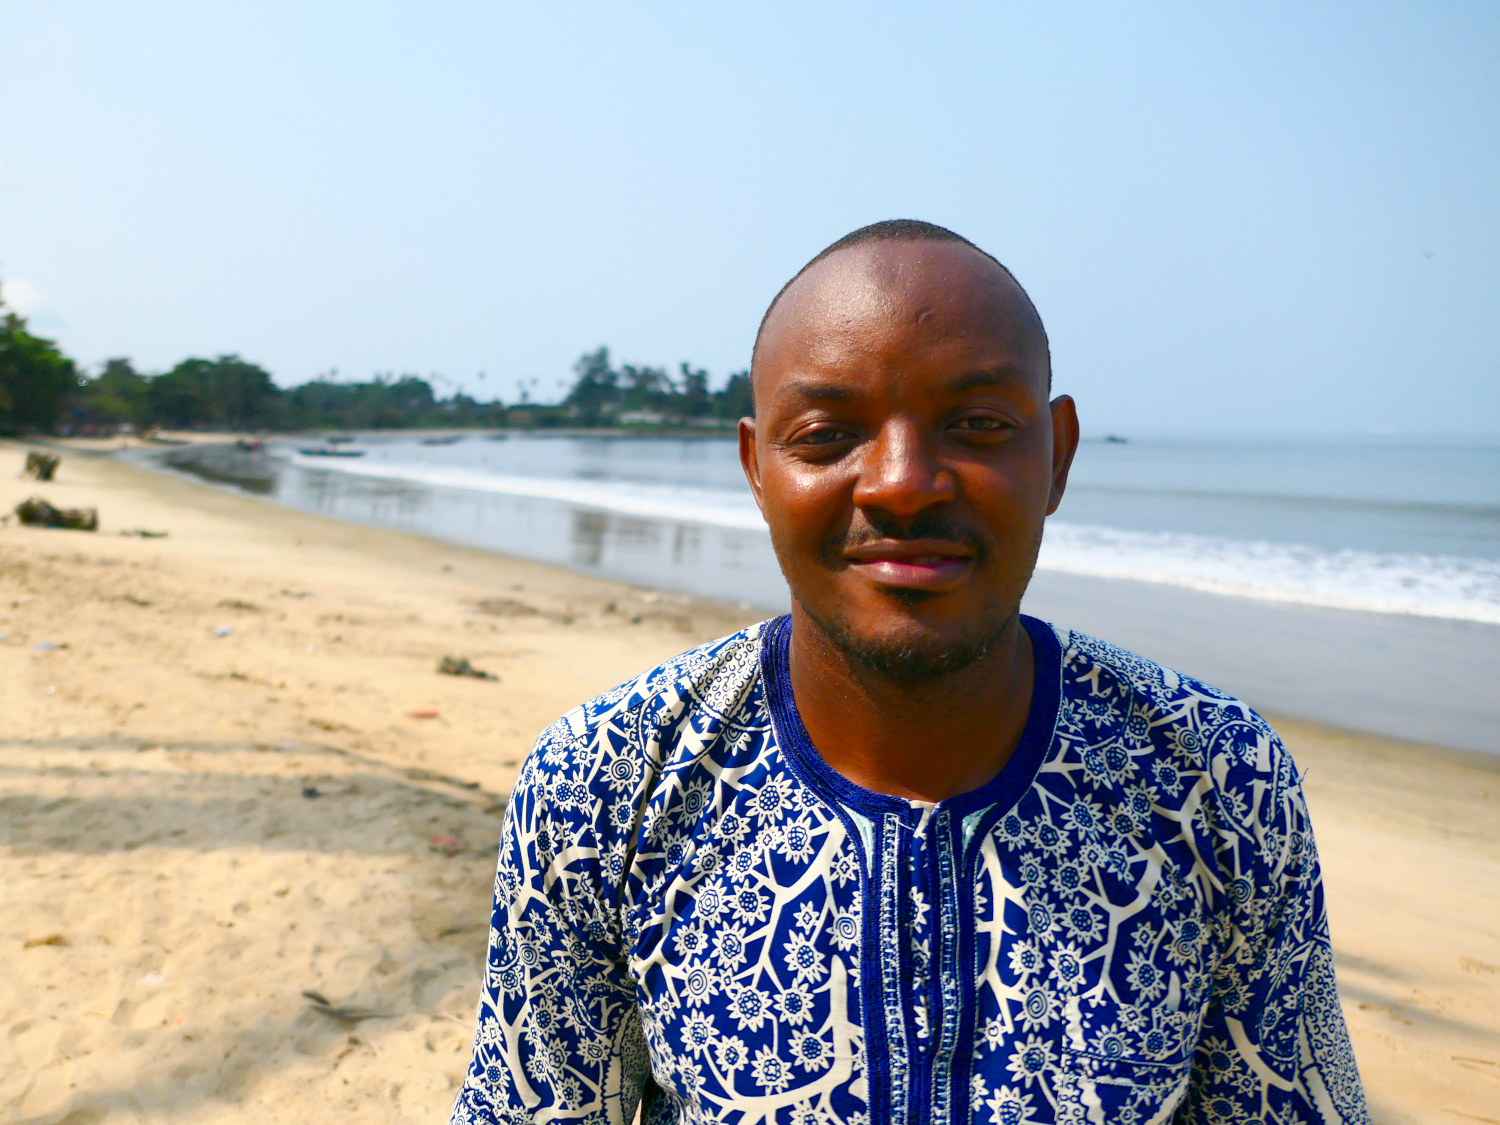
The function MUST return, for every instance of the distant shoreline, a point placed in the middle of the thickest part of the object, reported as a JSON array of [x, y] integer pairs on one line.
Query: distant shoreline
[[196, 437], [726, 432]]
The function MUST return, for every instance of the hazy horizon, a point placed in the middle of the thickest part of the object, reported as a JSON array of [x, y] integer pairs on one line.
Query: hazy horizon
[[1276, 220]]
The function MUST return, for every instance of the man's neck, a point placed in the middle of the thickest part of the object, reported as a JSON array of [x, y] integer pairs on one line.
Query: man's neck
[[925, 741]]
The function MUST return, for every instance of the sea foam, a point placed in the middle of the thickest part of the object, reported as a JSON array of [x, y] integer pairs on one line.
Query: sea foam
[[1424, 585], [715, 506]]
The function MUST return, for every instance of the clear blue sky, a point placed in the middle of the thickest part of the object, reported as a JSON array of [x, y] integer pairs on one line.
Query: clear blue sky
[[1266, 217]]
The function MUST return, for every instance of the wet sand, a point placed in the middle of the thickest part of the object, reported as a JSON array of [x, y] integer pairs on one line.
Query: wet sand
[[196, 828], [1429, 679]]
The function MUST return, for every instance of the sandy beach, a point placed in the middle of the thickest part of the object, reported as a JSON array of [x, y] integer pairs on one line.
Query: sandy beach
[[235, 777]]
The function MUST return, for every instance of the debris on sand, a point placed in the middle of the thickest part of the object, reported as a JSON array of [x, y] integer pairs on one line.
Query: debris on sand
[[507, 607], [422, 714], [36, 512], [460, 666], [40, 466], [510, 607], [351, 1013], [416, 773], [142, 533], [50, 939]]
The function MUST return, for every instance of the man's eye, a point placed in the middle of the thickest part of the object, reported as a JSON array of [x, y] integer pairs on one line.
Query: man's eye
[[827, 436], [980, 424]]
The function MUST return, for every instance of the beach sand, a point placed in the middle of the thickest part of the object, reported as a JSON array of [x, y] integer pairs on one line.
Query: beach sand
[[196, 828]]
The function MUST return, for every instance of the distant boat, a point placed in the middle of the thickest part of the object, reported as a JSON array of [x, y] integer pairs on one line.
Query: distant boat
[[449, 440], [338, 439], [326, 451], [249, 445], [1116, 439]]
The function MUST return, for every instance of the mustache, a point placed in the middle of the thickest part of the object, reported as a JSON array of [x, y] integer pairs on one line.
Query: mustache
[[870, 525]]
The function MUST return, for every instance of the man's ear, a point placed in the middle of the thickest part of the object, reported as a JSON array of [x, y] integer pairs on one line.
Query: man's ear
[[749, 460], [1064, 445]]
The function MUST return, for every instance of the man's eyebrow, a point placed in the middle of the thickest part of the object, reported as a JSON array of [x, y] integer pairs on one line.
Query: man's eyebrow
[[1003, 375], [816, 390]]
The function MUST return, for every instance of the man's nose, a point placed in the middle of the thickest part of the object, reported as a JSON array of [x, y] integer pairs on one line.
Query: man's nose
[[901, 473]]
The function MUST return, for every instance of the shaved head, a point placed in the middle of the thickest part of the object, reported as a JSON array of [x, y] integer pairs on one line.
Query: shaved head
[[908, 231]]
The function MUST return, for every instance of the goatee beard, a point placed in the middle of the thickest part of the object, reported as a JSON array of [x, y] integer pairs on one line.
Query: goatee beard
[[913, 663]]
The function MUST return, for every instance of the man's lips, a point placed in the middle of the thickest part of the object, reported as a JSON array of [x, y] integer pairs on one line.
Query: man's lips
[[917, 564]]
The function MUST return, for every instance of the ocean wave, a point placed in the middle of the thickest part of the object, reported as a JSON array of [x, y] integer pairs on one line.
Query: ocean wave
[[1304, 500], [1424, 585], [1421, 585], [714, 506]]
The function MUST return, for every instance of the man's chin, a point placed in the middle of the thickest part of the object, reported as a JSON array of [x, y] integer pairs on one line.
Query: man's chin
[[902, 643]]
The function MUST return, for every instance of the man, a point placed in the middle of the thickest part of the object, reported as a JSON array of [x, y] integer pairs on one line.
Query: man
[[907, 855]]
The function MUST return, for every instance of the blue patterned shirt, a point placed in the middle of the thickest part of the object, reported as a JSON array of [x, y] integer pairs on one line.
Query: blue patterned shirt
[[696, 916]]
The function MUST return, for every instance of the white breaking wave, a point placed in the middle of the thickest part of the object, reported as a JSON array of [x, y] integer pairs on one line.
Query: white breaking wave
[[1424, 585], [653, 501]]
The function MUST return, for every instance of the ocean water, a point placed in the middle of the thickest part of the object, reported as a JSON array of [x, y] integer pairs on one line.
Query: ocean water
[[1398, 525]]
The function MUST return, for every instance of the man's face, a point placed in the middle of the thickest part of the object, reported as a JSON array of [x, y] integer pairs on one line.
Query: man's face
[[904, 452]]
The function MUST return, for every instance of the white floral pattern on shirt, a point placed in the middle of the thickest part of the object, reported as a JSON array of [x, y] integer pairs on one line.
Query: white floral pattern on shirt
[[691, 912]]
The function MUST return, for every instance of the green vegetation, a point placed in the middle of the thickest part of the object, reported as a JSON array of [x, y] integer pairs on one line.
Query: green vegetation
[[229, 393], [41, 389], [602, 396], [35, 378]]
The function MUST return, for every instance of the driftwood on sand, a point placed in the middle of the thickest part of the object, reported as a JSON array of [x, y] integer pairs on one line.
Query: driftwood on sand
[[40, 466], [36, 512], [460, 666]]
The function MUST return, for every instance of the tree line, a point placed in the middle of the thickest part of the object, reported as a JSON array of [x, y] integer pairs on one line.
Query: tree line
[[602, 395], [41, 389], [35, 378], [229, 393]]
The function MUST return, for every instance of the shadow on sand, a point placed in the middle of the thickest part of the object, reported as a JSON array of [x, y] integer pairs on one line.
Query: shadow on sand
[[170, 903]]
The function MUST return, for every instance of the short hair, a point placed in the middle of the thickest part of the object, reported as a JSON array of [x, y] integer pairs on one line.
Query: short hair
[[891, 230]]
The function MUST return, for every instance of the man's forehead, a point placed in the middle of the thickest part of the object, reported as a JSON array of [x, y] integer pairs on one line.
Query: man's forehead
[[873, 276], [831, 385], [863, 296]]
